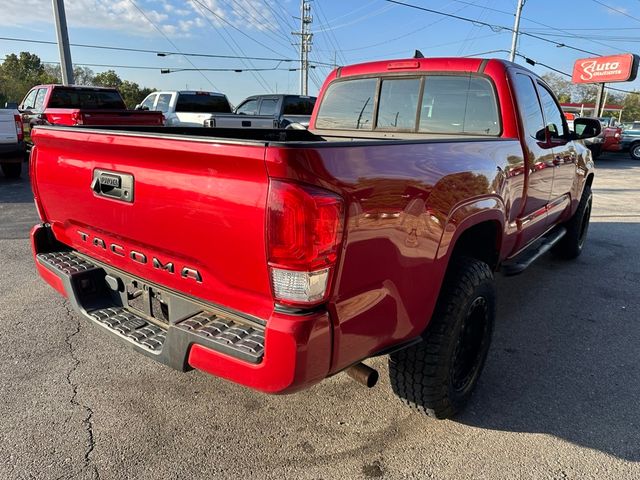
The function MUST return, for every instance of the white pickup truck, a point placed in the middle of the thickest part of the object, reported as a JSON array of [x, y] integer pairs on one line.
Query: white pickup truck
[[186, 108], [267, 111], [12, 149]]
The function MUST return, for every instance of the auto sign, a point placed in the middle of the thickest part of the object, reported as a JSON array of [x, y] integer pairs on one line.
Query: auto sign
[[614, 68]]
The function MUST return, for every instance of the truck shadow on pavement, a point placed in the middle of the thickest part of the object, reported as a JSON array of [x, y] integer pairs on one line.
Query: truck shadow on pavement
[[565, 356], [15, 190]]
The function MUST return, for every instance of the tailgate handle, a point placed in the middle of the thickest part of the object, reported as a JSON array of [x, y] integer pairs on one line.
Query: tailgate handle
[[113, 185]]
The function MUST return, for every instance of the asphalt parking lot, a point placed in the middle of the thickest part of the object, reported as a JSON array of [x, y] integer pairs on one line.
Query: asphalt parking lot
[[558, 398]]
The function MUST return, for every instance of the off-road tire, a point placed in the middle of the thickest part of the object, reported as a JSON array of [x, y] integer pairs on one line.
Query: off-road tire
[[426, 376], [12, 170], [634, 151], [572, 243]]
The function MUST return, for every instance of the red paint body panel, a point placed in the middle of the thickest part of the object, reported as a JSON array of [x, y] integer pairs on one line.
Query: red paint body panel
[[202, 202]]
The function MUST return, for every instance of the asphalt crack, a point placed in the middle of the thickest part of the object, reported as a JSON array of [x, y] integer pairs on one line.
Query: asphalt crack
[[88, 420]]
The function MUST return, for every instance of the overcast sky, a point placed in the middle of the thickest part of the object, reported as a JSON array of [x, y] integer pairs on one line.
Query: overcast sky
[[345, 31]]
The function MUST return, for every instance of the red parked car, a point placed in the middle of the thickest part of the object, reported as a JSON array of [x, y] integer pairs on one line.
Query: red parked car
[[277, 258]]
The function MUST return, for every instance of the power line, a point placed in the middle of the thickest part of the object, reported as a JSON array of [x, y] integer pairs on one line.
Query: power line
[[494, 27], [613, 9], [171, 42], [258, 77], [160, 53]]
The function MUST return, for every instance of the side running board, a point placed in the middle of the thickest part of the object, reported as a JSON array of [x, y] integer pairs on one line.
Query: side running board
[[524, 259]]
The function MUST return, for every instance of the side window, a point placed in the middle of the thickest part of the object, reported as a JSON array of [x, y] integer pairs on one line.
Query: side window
[[39, 103], [459, 104], [250, 107], [148, 102], [164, 99], [398, 104], [552, 114], [530, 110], [348, 105], [268, 106], [30, 100]]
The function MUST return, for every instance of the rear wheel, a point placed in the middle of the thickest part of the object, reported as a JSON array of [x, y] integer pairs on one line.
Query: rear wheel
[[438, 375], [634, 151], [572, 243], [12, 170]]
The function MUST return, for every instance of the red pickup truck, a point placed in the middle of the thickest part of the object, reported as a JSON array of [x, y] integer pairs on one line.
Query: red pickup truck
[[78, 105], [277, 258]]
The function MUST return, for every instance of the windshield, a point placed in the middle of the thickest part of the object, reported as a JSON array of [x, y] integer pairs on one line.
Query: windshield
[[202, 103], [86, 98]]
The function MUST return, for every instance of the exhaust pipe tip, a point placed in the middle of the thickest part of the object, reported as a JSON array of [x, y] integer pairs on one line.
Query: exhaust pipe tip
[[363, 374]]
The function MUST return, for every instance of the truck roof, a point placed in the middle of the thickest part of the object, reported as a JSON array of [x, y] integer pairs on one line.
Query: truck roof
[[448, 64], [191, 92], [84, 87]]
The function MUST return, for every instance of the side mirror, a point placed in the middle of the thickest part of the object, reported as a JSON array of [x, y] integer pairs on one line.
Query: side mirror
[[586, 128], [137, 107]]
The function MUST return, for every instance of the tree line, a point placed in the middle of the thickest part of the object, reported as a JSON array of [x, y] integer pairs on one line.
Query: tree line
[[19, 73]]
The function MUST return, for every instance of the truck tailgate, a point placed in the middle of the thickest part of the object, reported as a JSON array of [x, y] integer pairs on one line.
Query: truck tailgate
[[199, 204]]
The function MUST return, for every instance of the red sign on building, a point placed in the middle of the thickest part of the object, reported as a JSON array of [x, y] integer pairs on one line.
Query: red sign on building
[[614, 68]]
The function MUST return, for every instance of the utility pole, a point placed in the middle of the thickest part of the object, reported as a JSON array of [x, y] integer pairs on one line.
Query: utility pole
[[66, 66], [516, 30], [601, 100], [306, 39]]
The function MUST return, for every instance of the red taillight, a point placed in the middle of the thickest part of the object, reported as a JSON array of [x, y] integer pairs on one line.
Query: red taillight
[[19, 127], [304, 232], [76, 118]]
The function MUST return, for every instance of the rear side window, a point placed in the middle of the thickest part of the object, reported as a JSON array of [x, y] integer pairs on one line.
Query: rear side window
[[39, 103], [164, 99], [63, 97], [298, 106], [348, 105], [398, 104], [268, 106], [530, 110], [459, 104], [202, 103]]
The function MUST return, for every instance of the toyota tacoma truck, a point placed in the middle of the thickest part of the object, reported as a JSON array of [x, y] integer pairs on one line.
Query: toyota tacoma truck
[[278, 258], [80, 105]]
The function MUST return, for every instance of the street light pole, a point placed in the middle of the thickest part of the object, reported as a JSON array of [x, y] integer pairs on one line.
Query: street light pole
[[66, 66], [516, 30]]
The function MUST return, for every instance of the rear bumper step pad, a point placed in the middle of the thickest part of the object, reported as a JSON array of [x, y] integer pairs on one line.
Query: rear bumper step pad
[[168, 343]]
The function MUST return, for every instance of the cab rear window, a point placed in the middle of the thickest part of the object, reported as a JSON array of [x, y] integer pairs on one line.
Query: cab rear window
[[86, 98], [202, 103], [449, 104]]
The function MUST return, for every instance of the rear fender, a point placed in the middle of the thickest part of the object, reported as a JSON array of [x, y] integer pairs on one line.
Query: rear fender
[[467, 215]]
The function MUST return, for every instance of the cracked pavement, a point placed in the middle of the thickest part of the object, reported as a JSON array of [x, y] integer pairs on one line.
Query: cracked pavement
[[557, 400]]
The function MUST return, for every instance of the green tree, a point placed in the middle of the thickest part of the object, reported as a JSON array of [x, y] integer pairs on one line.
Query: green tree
[[18, 73], [562, 87], [81, 75], [631, 105], [107, 79]]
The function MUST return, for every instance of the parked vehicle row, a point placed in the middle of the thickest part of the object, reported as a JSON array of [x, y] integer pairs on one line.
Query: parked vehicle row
[[282, 257], [12, 148], [213, 110]]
